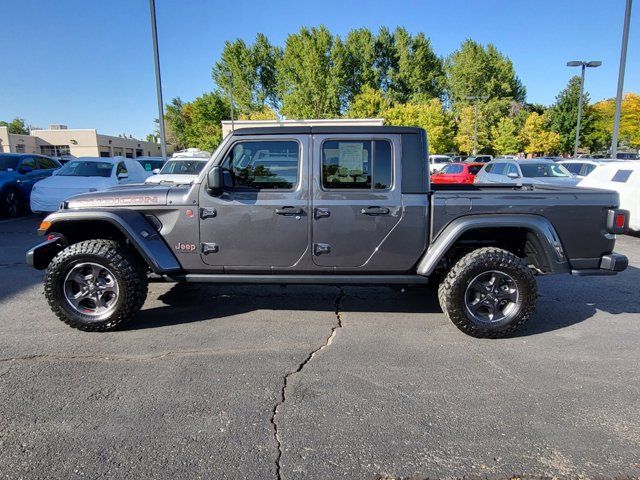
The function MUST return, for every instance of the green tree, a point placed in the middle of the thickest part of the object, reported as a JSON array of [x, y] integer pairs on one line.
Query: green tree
[[16, 126], [429, 115], [505, 138], [198, 123], [601, 114], [418, 73], [370, 102], [357, 62], [309, 77], [251, 71], [474, 70], [535, 137], [464, 137], [175, 124], [151, 138], [563, 115]]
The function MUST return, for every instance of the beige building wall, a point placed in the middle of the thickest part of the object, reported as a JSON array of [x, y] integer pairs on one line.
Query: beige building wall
[[5, 147], [78, 143]]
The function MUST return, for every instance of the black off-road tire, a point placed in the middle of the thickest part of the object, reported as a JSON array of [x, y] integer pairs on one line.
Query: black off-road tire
[[128, 271], [11, 203], [452, 291]]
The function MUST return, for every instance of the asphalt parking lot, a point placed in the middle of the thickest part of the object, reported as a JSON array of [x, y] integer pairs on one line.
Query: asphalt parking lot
[[318, 382]]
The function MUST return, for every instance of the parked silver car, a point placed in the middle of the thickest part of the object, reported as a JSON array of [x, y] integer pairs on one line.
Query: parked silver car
[[525, 172]]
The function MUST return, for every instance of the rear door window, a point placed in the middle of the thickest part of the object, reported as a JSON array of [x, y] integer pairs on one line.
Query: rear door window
[[47, 163], [574, 168], [498, 168], [357, 164]]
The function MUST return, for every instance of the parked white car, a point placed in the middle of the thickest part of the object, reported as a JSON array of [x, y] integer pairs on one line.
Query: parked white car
[[624, 178], [179, 171], [84, 174], [581, 167], [535, 171], [437, 162], [182, 168]]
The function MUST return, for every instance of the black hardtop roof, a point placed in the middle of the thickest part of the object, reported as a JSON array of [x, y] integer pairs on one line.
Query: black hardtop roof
[[326, 130]]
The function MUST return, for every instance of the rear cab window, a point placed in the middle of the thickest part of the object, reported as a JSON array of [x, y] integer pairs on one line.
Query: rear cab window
[[357, 164]]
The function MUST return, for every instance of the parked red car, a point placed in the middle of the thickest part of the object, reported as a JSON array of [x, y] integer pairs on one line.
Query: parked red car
[[462, 172]]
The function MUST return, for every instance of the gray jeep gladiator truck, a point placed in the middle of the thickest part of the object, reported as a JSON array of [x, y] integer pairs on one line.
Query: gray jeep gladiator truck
[[326, 205]]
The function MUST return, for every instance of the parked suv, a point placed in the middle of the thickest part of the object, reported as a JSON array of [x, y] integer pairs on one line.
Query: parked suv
[[18, 173], [535, 171], [326, 205]]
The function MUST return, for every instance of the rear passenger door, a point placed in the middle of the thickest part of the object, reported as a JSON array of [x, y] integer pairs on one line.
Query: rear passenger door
[[357, 198]]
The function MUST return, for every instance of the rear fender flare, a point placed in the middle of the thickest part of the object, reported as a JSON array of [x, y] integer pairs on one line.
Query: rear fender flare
[[543, 235]]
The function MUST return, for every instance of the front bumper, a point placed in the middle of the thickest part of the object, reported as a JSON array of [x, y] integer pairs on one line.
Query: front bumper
[[609, 265], [39, 256]]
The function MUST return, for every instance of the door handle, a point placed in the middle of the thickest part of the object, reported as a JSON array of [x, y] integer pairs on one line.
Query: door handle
[[289, 211], [321, 213], [375, 211]]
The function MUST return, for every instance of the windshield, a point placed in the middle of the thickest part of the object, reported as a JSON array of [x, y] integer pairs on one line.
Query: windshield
[[80, 168], [182, 167], [544, 170], [8, 164]]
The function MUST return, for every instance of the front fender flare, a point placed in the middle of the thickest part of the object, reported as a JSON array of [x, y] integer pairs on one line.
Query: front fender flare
[[543, 234], [132, 224]]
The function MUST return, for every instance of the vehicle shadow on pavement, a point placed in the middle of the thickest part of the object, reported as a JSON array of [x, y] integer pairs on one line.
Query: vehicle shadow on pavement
[[185, 303], [564, 301]]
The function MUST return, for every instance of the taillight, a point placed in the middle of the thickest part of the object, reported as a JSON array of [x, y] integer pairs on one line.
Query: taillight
[[617, 221]]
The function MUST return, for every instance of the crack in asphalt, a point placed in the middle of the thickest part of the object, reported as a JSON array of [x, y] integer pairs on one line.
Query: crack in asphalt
[[288, 376]]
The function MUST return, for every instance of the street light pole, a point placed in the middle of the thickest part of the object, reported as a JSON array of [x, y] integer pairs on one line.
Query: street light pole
[[577, 143], [623, 62], [156, 59], [475, 121], [583, 65]]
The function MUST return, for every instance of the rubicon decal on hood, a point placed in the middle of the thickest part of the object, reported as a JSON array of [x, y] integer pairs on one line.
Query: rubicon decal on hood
[[114, 201]]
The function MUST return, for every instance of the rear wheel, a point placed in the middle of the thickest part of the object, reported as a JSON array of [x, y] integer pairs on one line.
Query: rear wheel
[[95, 285], [488, 293], [10, 203]]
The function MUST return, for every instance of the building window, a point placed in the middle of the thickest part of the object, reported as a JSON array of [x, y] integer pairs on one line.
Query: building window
[[55, 150], [20, 148]]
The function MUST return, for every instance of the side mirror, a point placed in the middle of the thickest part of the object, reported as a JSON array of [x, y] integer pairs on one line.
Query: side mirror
[[26, 169], [155, 171], [214, 180], [122, 176], [513, 175]]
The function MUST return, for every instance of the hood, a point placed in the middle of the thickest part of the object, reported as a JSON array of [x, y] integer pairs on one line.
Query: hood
[[122, 196]]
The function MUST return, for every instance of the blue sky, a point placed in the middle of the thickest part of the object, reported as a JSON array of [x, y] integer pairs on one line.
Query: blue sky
[[89, 64]]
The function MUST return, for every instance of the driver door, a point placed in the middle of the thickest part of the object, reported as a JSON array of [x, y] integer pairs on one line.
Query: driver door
[[260, 220]]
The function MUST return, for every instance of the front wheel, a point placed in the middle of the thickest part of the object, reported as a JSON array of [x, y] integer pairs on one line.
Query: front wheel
[[488, 293], [95, 285]]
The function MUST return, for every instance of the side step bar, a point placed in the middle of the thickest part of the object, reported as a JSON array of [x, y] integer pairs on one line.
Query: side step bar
[[303, 279]]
